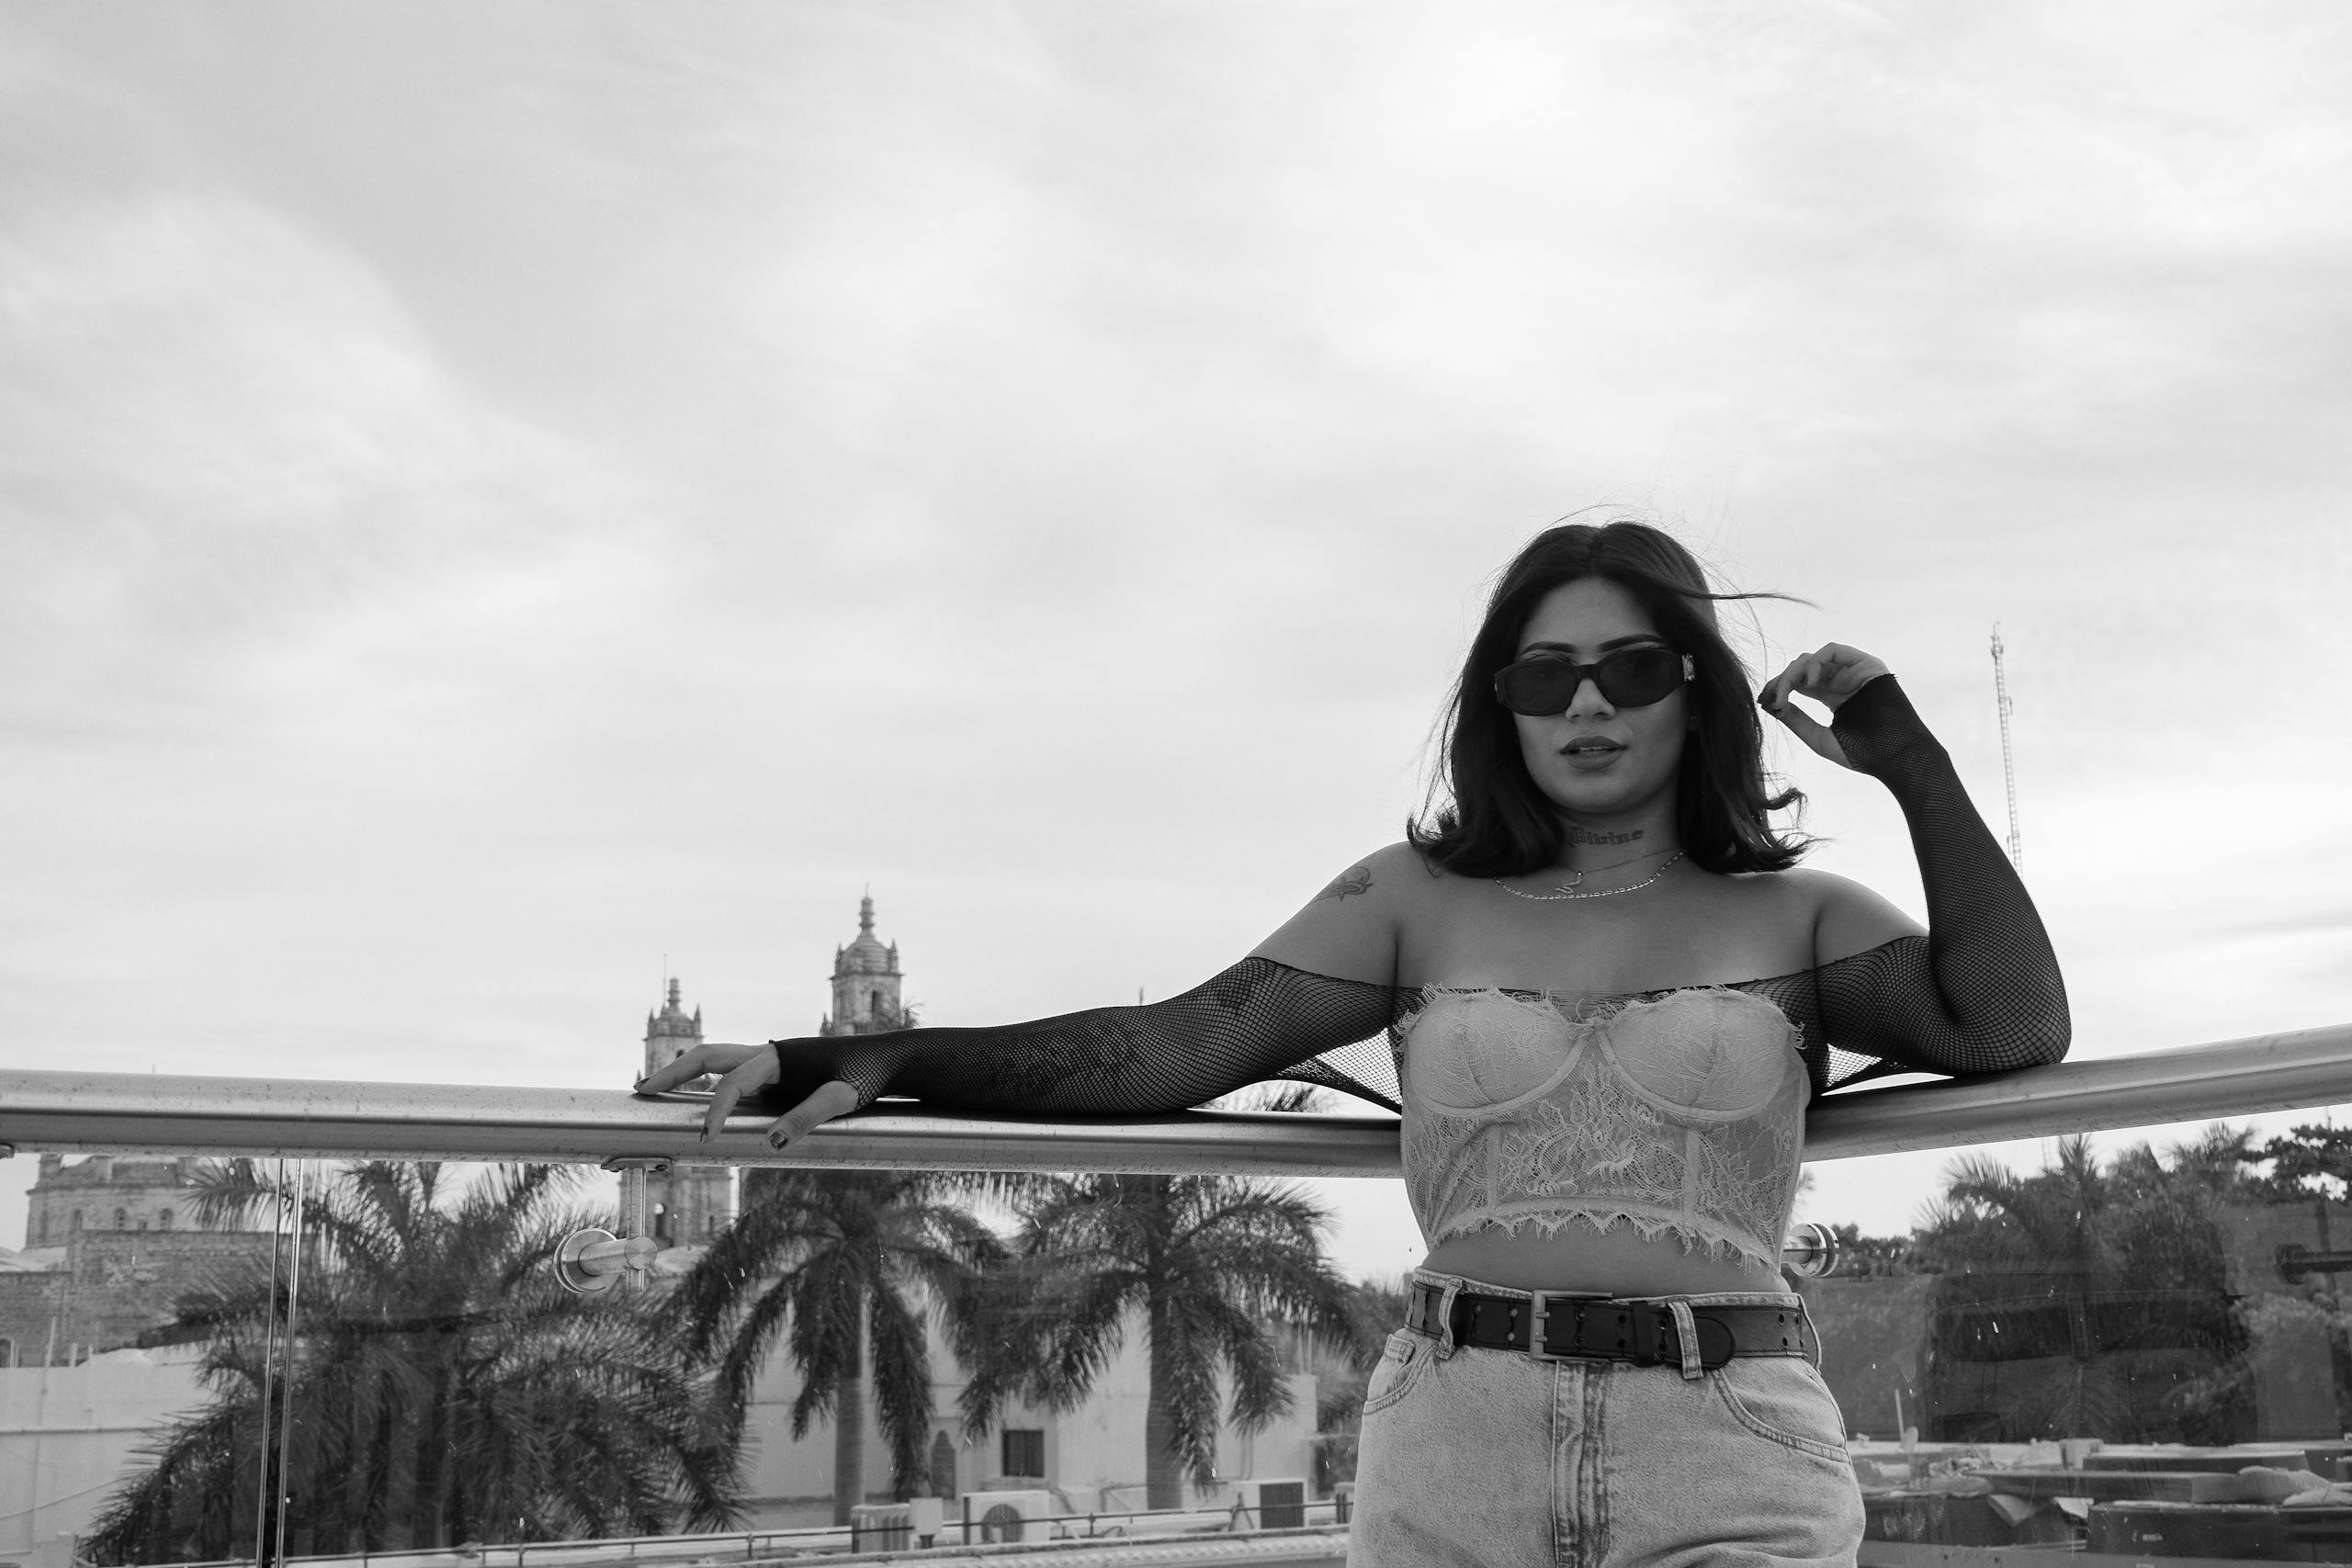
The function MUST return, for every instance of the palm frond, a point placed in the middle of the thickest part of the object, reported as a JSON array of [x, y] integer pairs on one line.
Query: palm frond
[[901, 1367]]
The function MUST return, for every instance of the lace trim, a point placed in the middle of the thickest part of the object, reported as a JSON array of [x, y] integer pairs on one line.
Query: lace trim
[[1554, 1217], [1585, 1008]]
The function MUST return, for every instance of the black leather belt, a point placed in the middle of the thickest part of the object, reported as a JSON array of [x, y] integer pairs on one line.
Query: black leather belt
[[1555, 1326]]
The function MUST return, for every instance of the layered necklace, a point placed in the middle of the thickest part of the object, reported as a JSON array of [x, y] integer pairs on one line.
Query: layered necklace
[[1575, 879]]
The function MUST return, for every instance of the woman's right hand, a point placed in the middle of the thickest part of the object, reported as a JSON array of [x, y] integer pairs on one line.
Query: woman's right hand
[[748, 1069]]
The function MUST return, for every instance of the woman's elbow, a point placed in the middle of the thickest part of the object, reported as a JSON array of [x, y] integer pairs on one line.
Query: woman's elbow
[[2048, 1037], [2011, 1042]]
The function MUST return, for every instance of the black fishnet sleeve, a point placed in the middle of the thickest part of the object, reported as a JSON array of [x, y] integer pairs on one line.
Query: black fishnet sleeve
[[1981, 992], [1258, 1019]]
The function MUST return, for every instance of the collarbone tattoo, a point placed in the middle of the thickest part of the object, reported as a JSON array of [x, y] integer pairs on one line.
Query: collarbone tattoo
[[1576, 835]]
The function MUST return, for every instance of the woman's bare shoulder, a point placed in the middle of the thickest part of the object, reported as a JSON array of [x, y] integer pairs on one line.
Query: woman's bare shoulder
[[1846, 917], [1349, 928]]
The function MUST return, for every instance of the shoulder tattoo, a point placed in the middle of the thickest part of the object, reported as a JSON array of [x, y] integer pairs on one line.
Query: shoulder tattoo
[[1354, 880]]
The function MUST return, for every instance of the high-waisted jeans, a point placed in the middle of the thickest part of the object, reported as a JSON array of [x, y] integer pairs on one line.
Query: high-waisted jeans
[[1487, 1459]]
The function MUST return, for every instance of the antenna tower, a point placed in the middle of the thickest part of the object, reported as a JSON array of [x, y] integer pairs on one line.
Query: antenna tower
[[2009, 764]]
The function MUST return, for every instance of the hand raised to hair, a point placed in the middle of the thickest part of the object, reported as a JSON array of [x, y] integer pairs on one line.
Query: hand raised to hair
[[748, 1070], [1829, 675]]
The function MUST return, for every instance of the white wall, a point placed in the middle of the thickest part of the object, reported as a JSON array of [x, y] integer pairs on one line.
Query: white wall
[[1095, 1453], [67, 1434]]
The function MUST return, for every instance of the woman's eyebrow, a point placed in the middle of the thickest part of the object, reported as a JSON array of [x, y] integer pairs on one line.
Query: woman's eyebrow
[[1613, 644]]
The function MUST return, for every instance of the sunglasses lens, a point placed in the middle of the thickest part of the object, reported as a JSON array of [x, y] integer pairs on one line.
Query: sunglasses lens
[[1639, 676], [1537, 686]]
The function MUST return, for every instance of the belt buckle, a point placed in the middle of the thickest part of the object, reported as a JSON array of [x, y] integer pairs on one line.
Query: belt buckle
[[1537, 1312]]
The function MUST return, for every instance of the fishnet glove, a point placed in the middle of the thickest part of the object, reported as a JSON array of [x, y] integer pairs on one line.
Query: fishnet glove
[[1981, 992]]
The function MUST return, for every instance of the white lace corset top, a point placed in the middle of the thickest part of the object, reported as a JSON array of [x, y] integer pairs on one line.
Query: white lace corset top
[[1680, 1114]]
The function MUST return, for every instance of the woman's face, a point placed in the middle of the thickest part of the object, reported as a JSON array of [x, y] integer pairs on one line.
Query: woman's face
[[1597, 759]]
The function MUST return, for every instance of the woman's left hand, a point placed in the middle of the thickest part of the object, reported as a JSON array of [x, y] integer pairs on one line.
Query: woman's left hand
[[1829, 675]]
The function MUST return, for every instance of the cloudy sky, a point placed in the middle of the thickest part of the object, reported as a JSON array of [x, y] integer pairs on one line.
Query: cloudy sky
[[498, 499]]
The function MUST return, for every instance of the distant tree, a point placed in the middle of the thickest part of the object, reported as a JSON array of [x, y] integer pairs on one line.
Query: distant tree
[[2311, 1161], [1286, 1099], [1213, 1267], [444, 1387], [843, 1267], [1872, 1256]]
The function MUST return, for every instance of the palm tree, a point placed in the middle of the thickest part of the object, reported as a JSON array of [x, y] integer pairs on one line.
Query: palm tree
[[443, 1387], [1209, 1263], [2083, 1300], [1990, 1218], [835, 1256]]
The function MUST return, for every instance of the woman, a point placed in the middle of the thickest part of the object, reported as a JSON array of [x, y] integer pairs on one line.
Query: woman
[[1611, 993]]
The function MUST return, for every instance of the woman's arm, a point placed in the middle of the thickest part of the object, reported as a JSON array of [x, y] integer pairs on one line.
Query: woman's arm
[[1981, 990], [1323, 981]]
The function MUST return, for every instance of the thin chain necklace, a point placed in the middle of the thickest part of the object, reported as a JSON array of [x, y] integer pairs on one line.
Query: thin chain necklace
[[1581, 873], [1568, 889]]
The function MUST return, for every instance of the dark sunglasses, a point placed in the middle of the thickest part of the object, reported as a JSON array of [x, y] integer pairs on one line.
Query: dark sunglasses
[[1542, 684]]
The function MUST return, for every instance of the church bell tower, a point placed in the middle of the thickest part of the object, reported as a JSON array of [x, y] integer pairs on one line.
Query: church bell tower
[[692, 1204], [670, 1033], [865, 983]]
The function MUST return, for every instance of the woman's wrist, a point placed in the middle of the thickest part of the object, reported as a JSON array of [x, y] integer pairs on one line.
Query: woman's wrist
[[1880, 731]]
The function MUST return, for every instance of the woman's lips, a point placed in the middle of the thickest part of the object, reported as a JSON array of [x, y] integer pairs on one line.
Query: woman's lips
[[1589, 755]]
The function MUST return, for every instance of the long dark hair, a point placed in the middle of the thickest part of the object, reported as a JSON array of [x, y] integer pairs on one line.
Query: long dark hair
[[1495, 822]]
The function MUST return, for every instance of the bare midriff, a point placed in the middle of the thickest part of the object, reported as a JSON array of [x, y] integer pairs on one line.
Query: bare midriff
[[1617, 1262]]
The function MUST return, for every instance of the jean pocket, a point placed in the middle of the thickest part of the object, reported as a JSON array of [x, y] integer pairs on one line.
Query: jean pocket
[[1402, 1361], [1782, 1398]]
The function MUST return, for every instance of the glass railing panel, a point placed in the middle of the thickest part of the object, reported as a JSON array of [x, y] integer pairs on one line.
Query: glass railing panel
[[223, 1360], [2133, 1347]]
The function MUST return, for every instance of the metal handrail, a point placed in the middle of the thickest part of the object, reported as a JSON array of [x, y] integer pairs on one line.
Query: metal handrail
[[146, 1113], [1209, 1528], [705, 1548]]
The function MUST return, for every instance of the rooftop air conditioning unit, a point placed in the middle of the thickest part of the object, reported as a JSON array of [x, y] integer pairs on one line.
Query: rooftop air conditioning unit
[[891, 1527], [880, 1526], [1275, 1505], [992, 1517]]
